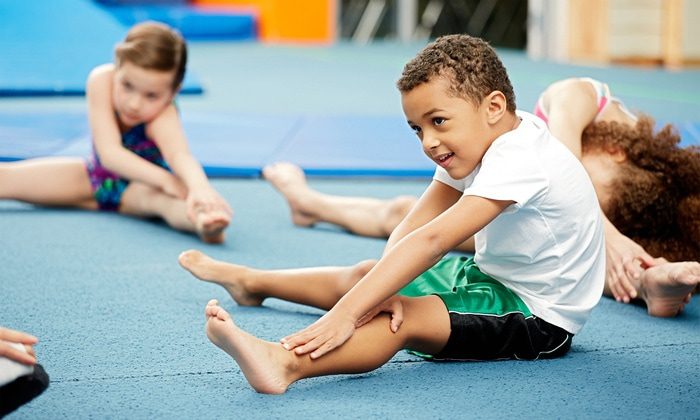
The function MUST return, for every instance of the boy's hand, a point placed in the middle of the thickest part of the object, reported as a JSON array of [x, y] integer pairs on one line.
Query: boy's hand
[[327, 333], [626, 261], [12, 336], [391, 306]]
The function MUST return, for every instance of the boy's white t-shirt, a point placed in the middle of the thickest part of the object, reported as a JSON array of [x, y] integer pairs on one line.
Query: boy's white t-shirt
[[548, 247]]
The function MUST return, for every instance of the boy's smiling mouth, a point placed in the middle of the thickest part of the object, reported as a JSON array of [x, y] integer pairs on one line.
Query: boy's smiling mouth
[[443, 159]]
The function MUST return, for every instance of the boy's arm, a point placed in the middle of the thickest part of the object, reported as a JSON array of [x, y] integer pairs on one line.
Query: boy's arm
[[571, 108], [107, 138], [407, 259], [437, 198]]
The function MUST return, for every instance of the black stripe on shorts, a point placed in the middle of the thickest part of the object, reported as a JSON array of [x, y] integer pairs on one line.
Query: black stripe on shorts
[[508, 336]]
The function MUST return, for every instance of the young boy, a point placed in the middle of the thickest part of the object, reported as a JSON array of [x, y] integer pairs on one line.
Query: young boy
[[538, 269]]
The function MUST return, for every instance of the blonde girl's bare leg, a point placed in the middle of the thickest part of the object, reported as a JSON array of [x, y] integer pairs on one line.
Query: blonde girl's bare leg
[[270, 369], [55, 181], [142, 200], [320, 287]]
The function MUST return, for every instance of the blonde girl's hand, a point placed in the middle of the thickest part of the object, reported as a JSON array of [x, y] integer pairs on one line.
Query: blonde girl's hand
[[326, 334], [392, 306], [206, 200], [11, 336], [626, 261], [172, 186]]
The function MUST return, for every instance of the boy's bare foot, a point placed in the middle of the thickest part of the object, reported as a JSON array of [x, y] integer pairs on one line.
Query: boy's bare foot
[[290, 181], [210, 226], [231, 277], [265, 365], [666, 288]]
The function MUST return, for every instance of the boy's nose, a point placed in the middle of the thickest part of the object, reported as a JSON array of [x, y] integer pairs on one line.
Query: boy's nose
[[430, 141]]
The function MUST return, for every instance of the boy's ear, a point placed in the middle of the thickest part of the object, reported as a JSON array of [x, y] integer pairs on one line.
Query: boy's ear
[[496, 106]]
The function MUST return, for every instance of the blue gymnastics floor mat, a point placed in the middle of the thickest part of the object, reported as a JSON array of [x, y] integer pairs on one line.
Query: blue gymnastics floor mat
[[194, 23], [226, 145], [240, 145], [49, 47], [356, 146]]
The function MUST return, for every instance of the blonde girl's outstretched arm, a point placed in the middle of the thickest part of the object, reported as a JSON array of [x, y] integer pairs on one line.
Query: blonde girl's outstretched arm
[[167, 132], [106, 135]]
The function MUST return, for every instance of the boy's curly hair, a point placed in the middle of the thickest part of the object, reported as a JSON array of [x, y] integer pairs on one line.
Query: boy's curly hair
[[472, 66], [154, 46], [656, 199]]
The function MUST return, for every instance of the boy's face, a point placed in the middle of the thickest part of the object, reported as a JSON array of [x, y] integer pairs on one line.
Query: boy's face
[[140, 95], [454, 133]]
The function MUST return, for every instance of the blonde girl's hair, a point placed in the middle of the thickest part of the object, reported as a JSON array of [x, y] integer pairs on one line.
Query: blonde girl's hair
[[154, 46]]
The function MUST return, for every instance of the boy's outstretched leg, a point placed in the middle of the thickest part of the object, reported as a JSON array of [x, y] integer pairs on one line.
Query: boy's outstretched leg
[[270, 369], [359, 215], [666, 288], [320, 287]]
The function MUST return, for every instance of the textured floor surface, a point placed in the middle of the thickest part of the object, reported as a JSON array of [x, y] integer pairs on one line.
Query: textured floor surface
[[121, 325]]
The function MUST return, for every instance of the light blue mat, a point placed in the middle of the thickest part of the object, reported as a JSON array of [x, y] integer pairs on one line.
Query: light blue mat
[[242, 144], [48, 48]]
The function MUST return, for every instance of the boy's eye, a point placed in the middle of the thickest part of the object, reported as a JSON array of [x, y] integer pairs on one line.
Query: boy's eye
[[415, 129], [438, 121], [127, 85]]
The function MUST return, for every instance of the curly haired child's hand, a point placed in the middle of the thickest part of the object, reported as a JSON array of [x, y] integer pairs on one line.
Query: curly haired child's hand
[[11, 336], [626, 261], [392, 306], [327, 333]]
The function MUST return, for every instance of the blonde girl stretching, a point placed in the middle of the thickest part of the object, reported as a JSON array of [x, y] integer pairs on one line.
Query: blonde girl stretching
[[141, 164]]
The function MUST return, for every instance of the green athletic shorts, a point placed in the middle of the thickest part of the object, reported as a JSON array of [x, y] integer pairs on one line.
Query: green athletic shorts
[[488, 321]]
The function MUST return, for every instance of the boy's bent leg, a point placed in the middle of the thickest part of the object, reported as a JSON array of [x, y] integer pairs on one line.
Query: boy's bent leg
[[269, 368], [321, 287]]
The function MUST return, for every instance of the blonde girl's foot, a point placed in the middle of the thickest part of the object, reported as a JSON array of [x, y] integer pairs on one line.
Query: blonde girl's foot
[[231, 277], [290, 181], [266, 365], [210, 225], [666, 288]]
